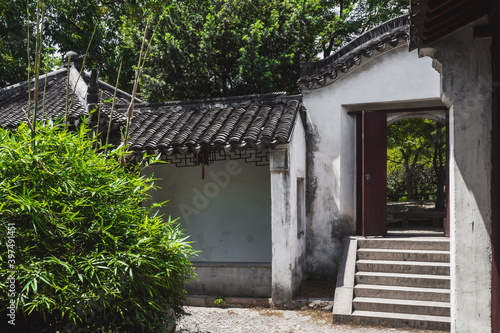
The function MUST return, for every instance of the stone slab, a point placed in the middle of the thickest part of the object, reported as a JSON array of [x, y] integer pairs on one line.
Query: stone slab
[[345, 277]]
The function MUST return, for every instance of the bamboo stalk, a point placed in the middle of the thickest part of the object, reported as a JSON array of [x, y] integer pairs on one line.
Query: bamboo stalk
[[99, 107], [28, 112], [112, 108], [67, 92], [142, 60], [38, 51], [44, 91], [130, 110]]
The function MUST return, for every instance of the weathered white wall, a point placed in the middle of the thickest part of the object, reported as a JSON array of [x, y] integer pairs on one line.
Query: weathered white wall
[[231, 279], [227, 215], [466, 77], [240, 217], [289, 243], [298, 235], [395, 79]]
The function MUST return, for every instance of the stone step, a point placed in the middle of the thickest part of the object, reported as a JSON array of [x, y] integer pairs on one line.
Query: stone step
[[397, 292], [404, 255], [411, 267], [397, 282], [403, 280], [430, 308], [439, 244], [395, 320]]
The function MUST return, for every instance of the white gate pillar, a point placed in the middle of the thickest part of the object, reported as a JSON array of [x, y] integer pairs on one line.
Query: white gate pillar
[[281, 225]]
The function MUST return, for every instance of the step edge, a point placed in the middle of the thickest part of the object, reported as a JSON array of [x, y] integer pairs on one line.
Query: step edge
[[402, 288], [369, 249], [405, 316], [397, 301], [405, 239], [399, 262], [403, 275]]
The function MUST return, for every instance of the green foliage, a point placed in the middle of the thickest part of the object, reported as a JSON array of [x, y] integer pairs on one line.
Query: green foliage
[[87, 253], [415, 160], [13, 42], [204, 48], [220, 300], [219, 48], [215, 48], [69, 27], [343, 20]]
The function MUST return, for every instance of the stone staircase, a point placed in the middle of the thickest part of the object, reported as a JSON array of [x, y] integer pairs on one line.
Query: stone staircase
[[398, 282]]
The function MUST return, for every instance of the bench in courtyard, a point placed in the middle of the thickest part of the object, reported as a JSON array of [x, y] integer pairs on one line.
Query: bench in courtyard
[[436, 216]]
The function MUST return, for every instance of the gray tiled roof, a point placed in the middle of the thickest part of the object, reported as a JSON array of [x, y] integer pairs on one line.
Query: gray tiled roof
[[255, 122], [52, 98], [52, 104], [380, 39]]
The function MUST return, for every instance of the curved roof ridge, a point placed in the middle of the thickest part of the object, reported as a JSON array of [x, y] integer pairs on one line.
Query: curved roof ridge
[[216, 100], [119, 92], [323, 72], [383, 28], [13, 88]]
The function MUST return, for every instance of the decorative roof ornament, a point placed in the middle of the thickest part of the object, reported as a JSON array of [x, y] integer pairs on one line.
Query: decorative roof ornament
[[73, 58]]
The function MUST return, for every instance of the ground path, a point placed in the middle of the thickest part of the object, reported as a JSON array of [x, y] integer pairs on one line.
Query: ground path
[[265, 320]]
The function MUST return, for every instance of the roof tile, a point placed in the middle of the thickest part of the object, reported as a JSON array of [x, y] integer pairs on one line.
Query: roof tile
[[259, 122], [53, 98], [253, 121]]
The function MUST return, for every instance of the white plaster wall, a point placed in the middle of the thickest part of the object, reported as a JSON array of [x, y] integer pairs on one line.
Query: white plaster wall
[[227, 215], [231, 279], [466, 72], [395, 79], [289, 247], [297, 170]]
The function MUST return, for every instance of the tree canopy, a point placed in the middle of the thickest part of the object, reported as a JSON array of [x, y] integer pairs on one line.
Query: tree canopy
[[200, 48], [416, 161]]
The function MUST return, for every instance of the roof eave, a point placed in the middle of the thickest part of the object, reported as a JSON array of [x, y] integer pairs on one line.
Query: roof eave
[[385, 37]]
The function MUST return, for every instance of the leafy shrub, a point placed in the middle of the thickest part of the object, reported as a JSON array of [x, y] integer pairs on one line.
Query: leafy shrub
[[87, 254], [415, 160]]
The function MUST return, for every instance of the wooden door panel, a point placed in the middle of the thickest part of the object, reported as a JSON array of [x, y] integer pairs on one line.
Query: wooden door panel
[[374, 173]]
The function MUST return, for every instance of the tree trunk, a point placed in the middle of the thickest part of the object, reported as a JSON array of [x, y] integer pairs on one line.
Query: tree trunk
[[409, 186], [410, 170]]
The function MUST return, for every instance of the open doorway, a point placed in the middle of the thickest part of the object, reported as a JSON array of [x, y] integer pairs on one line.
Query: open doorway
[[416, 175], [413, 186]]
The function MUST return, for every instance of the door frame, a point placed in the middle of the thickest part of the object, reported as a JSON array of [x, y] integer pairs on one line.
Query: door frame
[[359, 161]]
